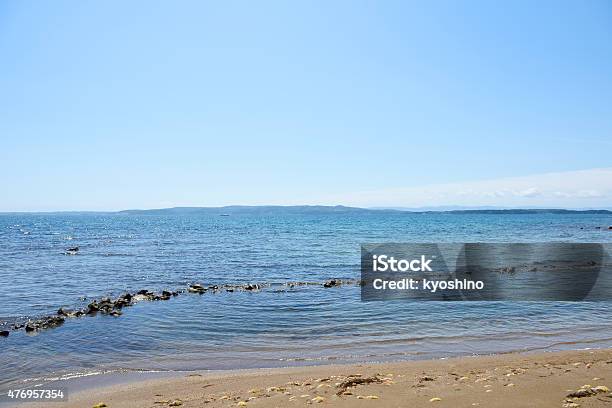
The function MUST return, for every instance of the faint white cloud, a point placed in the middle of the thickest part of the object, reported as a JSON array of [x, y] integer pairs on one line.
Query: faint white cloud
[[580, 194], [573, 189], [530, 192]]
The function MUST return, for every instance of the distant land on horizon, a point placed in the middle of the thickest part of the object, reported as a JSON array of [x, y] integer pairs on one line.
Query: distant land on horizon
[[302, 209], [323, 209]]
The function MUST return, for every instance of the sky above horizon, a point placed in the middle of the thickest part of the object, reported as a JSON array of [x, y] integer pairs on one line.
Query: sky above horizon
[[115, 105]]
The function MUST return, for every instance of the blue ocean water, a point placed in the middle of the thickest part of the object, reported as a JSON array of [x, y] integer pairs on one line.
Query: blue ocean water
[[304, 325]]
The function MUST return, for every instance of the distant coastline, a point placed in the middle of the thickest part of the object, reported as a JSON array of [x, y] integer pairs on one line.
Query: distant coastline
[[301, 209], [321, 209]]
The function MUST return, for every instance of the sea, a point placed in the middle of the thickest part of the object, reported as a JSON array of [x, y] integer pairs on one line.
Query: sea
[[279, 325]]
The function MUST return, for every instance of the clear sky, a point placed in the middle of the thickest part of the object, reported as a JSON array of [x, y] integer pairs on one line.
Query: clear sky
[[126, 104]]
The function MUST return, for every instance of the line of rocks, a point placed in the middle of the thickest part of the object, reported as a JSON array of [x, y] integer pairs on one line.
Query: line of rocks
[[540, 267], [113, 307], [105, 305]]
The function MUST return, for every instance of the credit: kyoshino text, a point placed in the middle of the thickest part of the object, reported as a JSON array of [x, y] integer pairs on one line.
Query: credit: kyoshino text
[[384, 263]]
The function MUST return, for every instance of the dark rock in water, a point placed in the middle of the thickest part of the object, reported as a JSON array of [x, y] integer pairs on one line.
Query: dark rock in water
[[196, 288], [127, 296], [105, 305], [610, 227], [252, 287], [165, 295], [72, 251], [51, 321], [4, 333], [62, 312], [146, 294], [124, 300], [44, 323], [332, 283], [92, 308], [121, 303], [116, 313]]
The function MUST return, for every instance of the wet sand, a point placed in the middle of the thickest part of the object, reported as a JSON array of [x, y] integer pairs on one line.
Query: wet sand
[[510, 380]]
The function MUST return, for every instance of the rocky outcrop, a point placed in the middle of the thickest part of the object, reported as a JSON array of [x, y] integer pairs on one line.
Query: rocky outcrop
[[72, 251], [69, 313], [196, 288], [332, 283], [114, 307], [44, 323]]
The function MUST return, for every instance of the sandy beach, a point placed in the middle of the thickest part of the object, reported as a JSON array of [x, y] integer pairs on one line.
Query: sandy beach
[[510, 380]]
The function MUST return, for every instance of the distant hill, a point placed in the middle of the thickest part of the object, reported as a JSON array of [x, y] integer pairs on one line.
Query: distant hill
[[528, 211], [245, 209], [321, 209], [339, 209]]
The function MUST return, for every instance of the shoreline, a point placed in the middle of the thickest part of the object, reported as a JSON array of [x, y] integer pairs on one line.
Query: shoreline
[[501, 380]]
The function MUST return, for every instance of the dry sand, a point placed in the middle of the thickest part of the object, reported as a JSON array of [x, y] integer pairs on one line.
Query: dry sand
[[511, 380]]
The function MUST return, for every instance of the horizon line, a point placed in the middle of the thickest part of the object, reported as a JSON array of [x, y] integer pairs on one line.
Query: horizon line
[[439, 208]]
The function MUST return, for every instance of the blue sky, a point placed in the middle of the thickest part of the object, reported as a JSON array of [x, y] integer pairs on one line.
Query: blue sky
[[114, 105]]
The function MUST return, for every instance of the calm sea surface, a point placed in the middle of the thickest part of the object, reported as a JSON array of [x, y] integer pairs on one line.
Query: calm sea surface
[[307, 325]]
